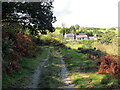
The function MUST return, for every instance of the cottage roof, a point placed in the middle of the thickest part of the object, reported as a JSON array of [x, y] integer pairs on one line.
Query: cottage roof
[[81, 35], [78, 35]]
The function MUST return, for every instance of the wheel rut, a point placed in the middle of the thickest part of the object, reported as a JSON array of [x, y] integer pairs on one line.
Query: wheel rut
[[67, 83], [36, 77]]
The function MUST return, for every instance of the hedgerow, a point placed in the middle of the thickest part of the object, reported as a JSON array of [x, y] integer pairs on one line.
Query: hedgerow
[[14, 45]]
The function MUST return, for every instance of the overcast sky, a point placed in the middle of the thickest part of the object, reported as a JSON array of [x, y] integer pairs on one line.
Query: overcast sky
[[86, 13]]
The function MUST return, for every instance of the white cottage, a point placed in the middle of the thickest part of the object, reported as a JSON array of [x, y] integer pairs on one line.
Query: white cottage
[[79, 36], [69, 37]]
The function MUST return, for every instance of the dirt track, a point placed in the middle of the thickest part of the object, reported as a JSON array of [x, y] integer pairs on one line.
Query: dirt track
[[64, 74]]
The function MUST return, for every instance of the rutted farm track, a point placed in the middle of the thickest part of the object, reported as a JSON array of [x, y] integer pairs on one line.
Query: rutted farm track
[[51, 72], [60, 68]]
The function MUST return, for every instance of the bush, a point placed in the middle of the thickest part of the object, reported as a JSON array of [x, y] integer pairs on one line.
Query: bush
[[111, 48], [13, 48], [91, 52], [24, 45], [10, 62], [14, 45], [109, 64], [7, 47], [107, 37]]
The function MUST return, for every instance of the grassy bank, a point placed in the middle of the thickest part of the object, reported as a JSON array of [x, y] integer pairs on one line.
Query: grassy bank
[[22, 77], [83, 71]]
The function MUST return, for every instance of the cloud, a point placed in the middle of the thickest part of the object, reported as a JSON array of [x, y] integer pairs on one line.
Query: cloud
[[93, 13]]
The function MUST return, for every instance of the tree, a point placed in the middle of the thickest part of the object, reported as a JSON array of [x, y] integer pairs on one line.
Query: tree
[[77, 26], [71, 29], [37, 16], [89, 33], [63, 25], [74, 31], [68, 30], [63, 30], [112, 28], [107, 37]]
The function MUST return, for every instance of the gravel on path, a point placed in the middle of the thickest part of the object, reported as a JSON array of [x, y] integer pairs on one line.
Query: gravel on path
[[36, 77]]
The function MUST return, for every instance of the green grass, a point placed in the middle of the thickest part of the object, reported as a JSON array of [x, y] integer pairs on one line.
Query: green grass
[[91, 80], [83, 72], [58, 30], [76, 61], [74, 46], [51, 73], [80, 44], [22, 77]]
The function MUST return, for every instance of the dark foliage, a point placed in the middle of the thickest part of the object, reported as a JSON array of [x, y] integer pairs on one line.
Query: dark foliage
[[93, 52], [30, 14]]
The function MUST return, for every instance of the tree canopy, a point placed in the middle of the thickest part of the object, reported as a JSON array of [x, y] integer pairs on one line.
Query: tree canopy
[[37, 16]]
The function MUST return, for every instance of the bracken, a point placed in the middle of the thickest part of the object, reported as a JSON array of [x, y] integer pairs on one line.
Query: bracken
[[109, 64]]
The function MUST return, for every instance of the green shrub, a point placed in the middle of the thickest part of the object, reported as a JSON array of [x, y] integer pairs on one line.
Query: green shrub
[[107, 37], [111, 48], [87, 43]]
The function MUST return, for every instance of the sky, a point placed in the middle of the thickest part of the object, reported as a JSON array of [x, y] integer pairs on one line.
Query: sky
[[86, 13]]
